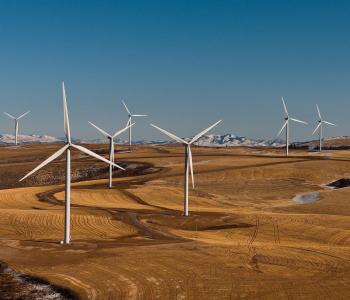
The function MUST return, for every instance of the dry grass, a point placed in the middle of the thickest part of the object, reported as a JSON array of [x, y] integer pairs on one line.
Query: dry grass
[[245, 237]]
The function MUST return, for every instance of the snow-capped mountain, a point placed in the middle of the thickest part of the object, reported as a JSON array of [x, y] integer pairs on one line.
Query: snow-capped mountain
[[28, 139], [232, 140]]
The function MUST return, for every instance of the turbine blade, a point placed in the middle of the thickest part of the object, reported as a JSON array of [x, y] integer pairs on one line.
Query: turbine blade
[[284, 125], [129, 122], [173, 136], [196, 137], [191, 164], [296, 120], [22, 115], [139, 115], [285, 107], [47, 161], [66, 116], [100, 130], [329, 123], [318, 112], [318, 126], [128, 111], [11, 116], [122, 130], [93, 154]]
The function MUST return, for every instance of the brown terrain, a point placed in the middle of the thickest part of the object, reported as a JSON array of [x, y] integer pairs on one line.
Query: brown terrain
[[245, 237]]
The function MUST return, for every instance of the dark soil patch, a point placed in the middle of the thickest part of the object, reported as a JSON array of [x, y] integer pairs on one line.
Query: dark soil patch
[[19, 286], [340, 183]]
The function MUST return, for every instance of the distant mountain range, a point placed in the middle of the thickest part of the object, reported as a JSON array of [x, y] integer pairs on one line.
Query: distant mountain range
[[226, 140], [212, 140]]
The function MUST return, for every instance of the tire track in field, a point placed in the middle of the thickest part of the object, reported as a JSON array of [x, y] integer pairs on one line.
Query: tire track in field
[[276, 232], [254, 234]]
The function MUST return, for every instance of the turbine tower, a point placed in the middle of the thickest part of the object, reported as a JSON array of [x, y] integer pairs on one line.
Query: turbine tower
[[287, 119], [320, 127], [111, 138], [16, 123], [188, 158], [130, 115], [66, 149]]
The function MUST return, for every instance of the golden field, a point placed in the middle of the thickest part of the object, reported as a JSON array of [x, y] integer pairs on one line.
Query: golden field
[[245, 237]]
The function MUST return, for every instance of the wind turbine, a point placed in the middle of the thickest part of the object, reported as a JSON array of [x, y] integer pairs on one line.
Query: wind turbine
[[66, 149], [287, 119], [111, 137], [188, 158], [320, 126], [16, 123], [130, 115]]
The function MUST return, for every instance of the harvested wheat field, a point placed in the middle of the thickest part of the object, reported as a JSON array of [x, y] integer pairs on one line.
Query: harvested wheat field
[[245, 238]]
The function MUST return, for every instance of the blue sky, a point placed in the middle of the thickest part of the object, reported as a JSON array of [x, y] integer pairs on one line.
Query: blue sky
[[185, 63]]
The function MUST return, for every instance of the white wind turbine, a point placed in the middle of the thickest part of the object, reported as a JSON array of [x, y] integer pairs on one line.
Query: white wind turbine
[[66, 148], [287, 118], [130, 115], [16, 123], [188, 158], [111, 138], [320, 127]]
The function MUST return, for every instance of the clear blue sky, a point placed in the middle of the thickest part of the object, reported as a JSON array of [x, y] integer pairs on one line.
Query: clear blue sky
[[185, 63]]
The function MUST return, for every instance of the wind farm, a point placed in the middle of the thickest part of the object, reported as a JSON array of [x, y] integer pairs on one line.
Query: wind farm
[[138, 230], [159, 161], [255, 212]]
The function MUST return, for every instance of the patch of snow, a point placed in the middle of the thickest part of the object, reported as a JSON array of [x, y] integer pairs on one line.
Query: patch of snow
[[307, 198]]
